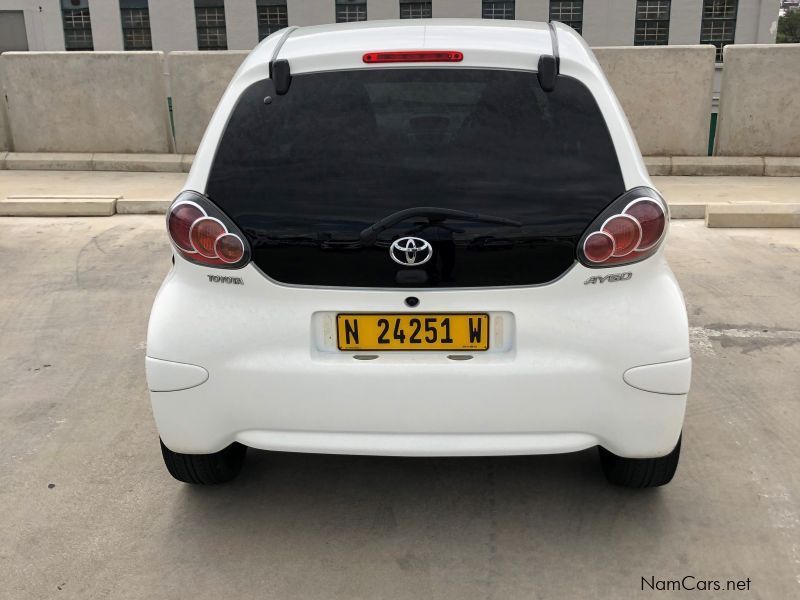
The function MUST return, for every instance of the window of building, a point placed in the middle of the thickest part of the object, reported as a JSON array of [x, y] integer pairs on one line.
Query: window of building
[[569, 12], [351, 10], [135, 25], [415, 10], [77, 25], [210, 16], [498, 10], [652, 23], [272, 16], [719, 23]]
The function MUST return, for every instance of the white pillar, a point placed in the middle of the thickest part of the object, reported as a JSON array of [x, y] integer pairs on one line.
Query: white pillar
[[532, 10], [241, 20], [609, 22], [312, 12], [453, 9], [172, 25]]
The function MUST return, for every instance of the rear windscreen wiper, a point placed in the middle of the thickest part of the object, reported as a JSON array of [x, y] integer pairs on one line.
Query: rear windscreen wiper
[[433, 214]]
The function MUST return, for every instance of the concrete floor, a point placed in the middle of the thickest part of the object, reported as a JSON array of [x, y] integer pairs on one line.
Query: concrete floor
[[87, 509]]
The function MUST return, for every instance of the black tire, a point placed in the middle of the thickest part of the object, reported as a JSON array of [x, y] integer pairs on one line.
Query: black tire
[[640, 472], [205, 469]]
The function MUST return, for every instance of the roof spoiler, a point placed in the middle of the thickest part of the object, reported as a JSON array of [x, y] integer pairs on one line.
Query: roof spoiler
[[279, 70], [549, 64]]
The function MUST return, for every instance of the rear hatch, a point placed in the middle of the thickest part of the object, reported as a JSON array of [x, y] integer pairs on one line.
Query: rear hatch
[[499, 177]]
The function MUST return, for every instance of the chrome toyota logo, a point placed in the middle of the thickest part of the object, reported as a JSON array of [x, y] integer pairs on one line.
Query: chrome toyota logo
[[410, 251]]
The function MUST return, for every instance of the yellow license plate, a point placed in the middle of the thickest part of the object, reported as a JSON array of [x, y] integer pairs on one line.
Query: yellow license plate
[[413, 331]]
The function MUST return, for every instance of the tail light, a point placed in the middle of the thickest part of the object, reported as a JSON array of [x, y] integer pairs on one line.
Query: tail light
[[630, 230], [203, 234]]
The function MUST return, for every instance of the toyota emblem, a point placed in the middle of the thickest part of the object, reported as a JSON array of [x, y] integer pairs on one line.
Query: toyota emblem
[[410, 251]]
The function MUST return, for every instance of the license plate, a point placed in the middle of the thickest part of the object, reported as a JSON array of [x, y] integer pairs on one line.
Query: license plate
[[413, 331]]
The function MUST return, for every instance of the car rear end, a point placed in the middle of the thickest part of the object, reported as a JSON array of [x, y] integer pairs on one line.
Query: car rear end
[[403, 243]]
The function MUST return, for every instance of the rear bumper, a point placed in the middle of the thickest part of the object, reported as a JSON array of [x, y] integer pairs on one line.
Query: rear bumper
[[424, 444], [447, 409], [578, 365]]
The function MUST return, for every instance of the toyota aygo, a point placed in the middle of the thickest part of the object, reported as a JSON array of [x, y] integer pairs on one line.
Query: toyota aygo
[[419, 238]]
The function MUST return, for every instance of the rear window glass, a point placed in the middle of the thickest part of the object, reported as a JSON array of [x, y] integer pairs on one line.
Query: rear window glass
[[342, 150]]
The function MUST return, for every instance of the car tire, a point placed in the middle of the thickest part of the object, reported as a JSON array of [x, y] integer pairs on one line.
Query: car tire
[[640, 472], [205, 469]]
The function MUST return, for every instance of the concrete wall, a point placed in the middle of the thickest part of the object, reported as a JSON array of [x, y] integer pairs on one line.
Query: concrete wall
[[116, 101], [666, 93], [197, 81], [86, 101], [759, 112]]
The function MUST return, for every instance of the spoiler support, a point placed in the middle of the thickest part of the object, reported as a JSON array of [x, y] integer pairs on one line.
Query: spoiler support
[[549, 64], [279, 70]]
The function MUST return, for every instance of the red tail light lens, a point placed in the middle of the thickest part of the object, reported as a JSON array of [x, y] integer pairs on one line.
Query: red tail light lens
[[229, 248], [626, 232], [599, 246], [652, 219], [630, 230], [180, 222], [414, 56], [204, 235]]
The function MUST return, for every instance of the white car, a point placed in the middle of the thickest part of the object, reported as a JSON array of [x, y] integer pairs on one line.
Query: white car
[[419, 238]]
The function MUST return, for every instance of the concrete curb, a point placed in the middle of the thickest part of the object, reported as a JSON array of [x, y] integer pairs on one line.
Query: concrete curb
[[746, 166], [39, 161], [740, 166], [781, 166], [58, 206], [142, 163], [143, 206], [753, 215], [100, 161], [687, 210], [658, 165]]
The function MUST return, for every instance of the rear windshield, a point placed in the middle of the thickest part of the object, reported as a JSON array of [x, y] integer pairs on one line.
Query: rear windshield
[[308, 171]]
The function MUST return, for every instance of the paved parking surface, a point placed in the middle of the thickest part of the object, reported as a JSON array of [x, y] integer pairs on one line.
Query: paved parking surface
[[88, 511]]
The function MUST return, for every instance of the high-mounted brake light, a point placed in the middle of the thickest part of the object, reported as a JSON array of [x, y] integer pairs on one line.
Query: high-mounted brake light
[[629, 231], [414, 56], [203, 235]]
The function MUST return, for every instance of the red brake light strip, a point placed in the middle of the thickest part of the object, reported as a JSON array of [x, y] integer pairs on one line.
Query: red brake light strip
[[414, 56]]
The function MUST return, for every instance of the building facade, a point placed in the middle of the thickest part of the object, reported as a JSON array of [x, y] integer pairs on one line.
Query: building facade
[[239, 24]]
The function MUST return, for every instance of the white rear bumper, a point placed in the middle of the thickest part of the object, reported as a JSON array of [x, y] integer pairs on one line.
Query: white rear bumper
[[426, 444], [451, 409], [580, 365]]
